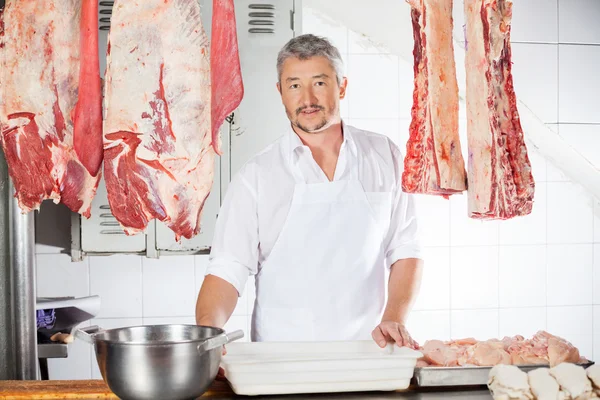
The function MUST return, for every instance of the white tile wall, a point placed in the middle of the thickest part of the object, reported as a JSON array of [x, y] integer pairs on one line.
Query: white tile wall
[[514, 267], [169, 287], [434, 214], [578, 83], [521, 321], [575, 325], [425, 325], [435, 286], [596, 279], [528, 229], [375, 94], [584, 138], [578, 22], [478, 324], [466, 231], [117, 279], [596, 221], [522, 276], [569, 214], [543, 28], [474, 277], [534, 66], [57, 276], [596, 328], [389, 127], [570, 275]]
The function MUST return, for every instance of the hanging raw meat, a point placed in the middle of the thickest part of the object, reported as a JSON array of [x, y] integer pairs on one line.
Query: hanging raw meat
[[226, 74], [159, 158], [50, 114], [434, 163], [501, 185]]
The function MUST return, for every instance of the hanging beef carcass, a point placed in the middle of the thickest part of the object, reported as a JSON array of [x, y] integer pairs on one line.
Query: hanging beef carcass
[[501, 185], [159, 145], [434, 163], [50, 101], [225, 69]]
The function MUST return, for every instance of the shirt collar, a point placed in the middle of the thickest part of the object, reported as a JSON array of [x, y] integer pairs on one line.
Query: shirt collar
[[294, 142]]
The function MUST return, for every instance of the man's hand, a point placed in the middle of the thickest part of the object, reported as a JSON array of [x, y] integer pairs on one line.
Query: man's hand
[[390, 332]]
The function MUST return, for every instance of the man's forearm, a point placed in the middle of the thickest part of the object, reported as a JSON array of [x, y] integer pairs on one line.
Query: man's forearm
[[216, 301], [403, 287]]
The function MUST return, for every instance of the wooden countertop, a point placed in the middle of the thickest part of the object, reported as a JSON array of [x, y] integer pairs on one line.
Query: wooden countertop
[[81, 389], [97, 389]]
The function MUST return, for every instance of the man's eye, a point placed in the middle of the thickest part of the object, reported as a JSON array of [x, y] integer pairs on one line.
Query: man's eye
[[320, 83], [294, 86]]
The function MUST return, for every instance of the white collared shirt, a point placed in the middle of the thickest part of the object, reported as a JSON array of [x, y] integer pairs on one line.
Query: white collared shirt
[[259, 196]]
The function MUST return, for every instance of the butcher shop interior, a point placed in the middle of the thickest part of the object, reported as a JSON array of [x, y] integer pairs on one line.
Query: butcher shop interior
[[300, 198]]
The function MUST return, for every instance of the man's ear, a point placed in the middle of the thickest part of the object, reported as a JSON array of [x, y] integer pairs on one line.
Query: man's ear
[[343, 86], [278, 87]]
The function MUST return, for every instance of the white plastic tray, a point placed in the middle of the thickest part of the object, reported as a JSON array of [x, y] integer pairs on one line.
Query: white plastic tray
[[263, 368]]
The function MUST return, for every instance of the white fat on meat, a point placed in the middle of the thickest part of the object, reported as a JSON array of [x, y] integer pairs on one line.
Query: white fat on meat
[[543, 385], [159, 160], [508, 382], [573, 380]]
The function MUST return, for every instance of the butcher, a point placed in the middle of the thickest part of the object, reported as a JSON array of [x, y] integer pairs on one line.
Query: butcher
[[319, 219]]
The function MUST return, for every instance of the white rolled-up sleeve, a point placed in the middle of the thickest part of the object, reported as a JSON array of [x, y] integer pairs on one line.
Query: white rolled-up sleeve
[[403, 238], [234, 253]]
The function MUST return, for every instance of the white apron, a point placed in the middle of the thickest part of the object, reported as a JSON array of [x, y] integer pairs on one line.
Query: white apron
[[325, 276]]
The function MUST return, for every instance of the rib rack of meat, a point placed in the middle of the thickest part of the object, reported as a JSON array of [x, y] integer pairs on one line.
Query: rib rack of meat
[[500, 182], [50, 101], [159, 157], [434, 163]]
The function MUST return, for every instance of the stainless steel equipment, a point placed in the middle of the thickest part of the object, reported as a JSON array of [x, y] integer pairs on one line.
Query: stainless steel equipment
[[158, 361], [462, 376]]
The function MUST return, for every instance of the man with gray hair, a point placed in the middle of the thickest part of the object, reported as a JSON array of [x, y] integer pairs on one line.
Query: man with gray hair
[[320, 219]]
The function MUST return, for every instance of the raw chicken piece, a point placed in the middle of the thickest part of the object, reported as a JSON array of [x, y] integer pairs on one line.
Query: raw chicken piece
[[488, 353], [434, 162], [508, 382], [593, 374], [559, 351], [543, 385], [572, 380], [500, 181], [439, 353]]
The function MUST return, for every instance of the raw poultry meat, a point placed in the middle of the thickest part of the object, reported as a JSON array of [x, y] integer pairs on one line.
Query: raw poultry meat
[[542, 349], [543, 385], [50, 115], [434, 163], [566, 381], [225, 70], [573, 380], [508, 382], [500, 182], [593, 374], [159, 158]]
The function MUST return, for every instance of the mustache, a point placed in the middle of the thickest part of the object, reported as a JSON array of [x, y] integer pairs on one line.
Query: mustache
[[315, 106]]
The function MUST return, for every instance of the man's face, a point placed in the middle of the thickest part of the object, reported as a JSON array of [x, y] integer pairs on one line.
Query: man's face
[[310, 93]]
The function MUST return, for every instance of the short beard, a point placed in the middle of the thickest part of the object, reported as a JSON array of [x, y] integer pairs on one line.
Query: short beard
[[315, 130], [321, 124]]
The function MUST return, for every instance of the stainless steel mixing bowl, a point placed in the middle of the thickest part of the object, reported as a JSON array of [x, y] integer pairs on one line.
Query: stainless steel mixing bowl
[[158, 361]]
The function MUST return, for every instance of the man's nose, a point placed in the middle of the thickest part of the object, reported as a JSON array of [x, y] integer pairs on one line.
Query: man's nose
[[308, 97]]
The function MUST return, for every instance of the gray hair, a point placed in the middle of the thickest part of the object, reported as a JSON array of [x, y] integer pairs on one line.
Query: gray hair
[[307, 46]]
